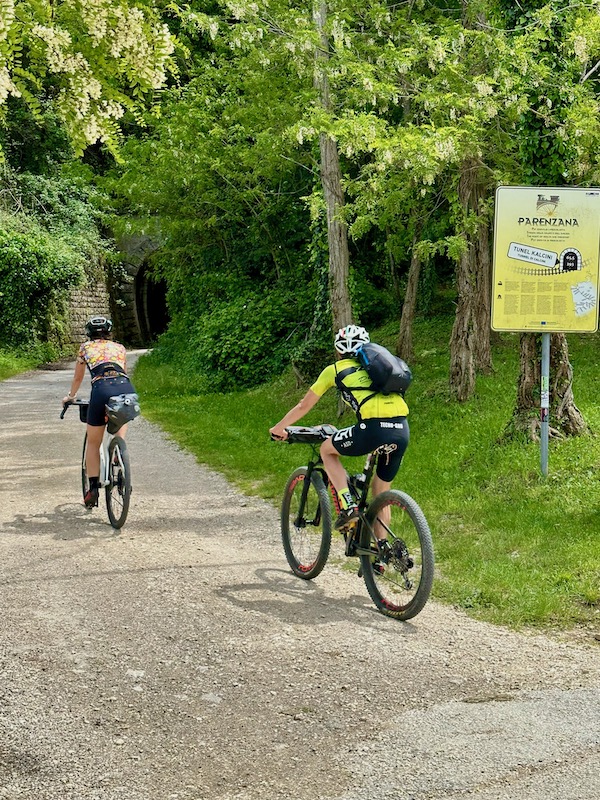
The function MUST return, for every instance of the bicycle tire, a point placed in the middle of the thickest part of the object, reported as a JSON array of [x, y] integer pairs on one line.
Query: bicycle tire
[[118, 490], [306, 542], [85, 484], [403, 586]]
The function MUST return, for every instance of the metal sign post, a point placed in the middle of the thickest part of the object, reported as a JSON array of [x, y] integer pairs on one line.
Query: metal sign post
[[545, 403], [546, 269]]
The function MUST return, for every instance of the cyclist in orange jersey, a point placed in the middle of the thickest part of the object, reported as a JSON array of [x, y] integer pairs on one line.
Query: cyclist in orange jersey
[[107, 363]]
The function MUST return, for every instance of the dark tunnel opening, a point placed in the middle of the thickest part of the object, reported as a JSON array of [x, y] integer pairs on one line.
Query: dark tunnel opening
[[151, 305]]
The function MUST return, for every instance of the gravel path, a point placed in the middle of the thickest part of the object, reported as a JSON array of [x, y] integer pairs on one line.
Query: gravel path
[[180, 659]]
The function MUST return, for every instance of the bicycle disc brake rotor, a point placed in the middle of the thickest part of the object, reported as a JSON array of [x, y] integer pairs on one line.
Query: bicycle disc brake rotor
[[400, 557]]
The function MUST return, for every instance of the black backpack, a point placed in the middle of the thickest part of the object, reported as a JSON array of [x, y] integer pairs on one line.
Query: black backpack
[[388, 373]]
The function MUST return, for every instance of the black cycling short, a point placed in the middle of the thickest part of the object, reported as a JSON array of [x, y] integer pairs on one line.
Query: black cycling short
[[102, 389], [366, 436]]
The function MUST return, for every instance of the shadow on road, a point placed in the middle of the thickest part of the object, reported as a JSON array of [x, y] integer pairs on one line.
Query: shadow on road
[[291, 600], [69, 521]]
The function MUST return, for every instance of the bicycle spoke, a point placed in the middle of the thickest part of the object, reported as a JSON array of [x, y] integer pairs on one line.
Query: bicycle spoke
[[118, 490], [399, 577]]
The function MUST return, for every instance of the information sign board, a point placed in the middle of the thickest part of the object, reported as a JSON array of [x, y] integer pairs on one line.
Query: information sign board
[[546, 259]]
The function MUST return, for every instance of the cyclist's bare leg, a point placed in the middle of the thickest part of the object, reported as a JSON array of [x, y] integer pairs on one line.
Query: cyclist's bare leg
[[377, 487], [334, 467], [122, 431], [92, 451]]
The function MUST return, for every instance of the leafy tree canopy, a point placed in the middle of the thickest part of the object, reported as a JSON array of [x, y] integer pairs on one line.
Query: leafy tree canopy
[[417, 91], [93, 61]]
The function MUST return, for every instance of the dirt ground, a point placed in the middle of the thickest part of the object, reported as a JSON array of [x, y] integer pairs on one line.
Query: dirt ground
[[179, 659]]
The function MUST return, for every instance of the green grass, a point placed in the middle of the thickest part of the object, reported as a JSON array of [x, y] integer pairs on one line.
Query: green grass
[[512, 547], [12, 364]]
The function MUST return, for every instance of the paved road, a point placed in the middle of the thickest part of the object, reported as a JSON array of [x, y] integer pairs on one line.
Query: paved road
[[180, 660]]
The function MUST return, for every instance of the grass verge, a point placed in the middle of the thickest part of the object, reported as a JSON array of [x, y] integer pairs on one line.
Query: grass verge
[[512, 547], [12, 363]]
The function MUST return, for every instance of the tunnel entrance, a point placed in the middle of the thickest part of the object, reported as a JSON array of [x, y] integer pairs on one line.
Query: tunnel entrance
[[151, 305]]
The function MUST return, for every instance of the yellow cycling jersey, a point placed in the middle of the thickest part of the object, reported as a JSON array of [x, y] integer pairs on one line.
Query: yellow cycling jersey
[[380, 406]]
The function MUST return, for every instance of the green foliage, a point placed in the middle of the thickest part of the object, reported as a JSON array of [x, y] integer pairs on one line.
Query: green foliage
[[226, 175], [91, 63], [48, 240], [314, 351], [34, 143], [238, 342], [35, 272]]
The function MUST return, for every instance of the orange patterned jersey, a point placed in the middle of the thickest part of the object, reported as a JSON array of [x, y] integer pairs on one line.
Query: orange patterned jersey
[[100, 351]]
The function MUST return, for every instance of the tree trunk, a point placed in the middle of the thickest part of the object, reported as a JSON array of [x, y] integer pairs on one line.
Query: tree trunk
[[470, 341], [337, 234], [483, 300], [565, 419], [564, 414], [462, 359], [404, 346], [331, 181]]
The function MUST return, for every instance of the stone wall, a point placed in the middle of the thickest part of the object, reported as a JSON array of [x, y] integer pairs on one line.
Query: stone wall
[[86, 302], [122, 301], [128, 306]]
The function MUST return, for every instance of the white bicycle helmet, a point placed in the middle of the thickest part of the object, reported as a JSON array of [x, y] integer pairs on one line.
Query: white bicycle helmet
[[349, 339]]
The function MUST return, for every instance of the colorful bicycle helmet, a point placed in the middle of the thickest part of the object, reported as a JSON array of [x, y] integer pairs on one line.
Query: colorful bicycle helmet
[[349, 339], [98, 326]]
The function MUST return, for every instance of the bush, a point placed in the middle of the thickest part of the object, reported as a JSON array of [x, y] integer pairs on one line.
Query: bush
[[240, 342], [46, 248], [35, 274]]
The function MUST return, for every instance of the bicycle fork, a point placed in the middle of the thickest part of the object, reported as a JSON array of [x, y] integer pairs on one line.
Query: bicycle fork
[[301, 521]]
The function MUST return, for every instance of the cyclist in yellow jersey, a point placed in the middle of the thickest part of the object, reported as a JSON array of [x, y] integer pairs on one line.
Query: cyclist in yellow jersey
[[381, 421]]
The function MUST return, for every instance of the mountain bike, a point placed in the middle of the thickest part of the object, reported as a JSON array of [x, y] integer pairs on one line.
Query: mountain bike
[[398, 575], [115, 471]]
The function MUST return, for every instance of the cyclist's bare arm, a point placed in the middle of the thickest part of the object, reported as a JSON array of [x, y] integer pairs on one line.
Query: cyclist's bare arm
[[78, 377], [308, 402]]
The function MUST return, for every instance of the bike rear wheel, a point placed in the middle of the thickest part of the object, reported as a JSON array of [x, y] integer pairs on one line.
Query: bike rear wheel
[[399, 581], [85, 484], [306, 531], [118, 490]]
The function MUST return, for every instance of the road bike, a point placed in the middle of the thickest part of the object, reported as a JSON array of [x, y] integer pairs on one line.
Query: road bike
[[398, 575], [115, 470]]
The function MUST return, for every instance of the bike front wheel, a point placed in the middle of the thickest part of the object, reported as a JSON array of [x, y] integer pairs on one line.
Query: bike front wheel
[[399, 577], [118, 489], [306, 526]]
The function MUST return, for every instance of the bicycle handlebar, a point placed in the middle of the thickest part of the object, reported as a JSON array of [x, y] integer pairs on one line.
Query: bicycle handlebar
[[307, 435], [73, 403]]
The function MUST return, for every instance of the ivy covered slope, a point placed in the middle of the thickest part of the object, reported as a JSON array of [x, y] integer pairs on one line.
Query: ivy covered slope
[[47, 247]]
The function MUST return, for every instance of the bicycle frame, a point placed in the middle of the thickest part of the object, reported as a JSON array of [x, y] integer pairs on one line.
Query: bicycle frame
[[356, 544], [390, 536], [104, 464]]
